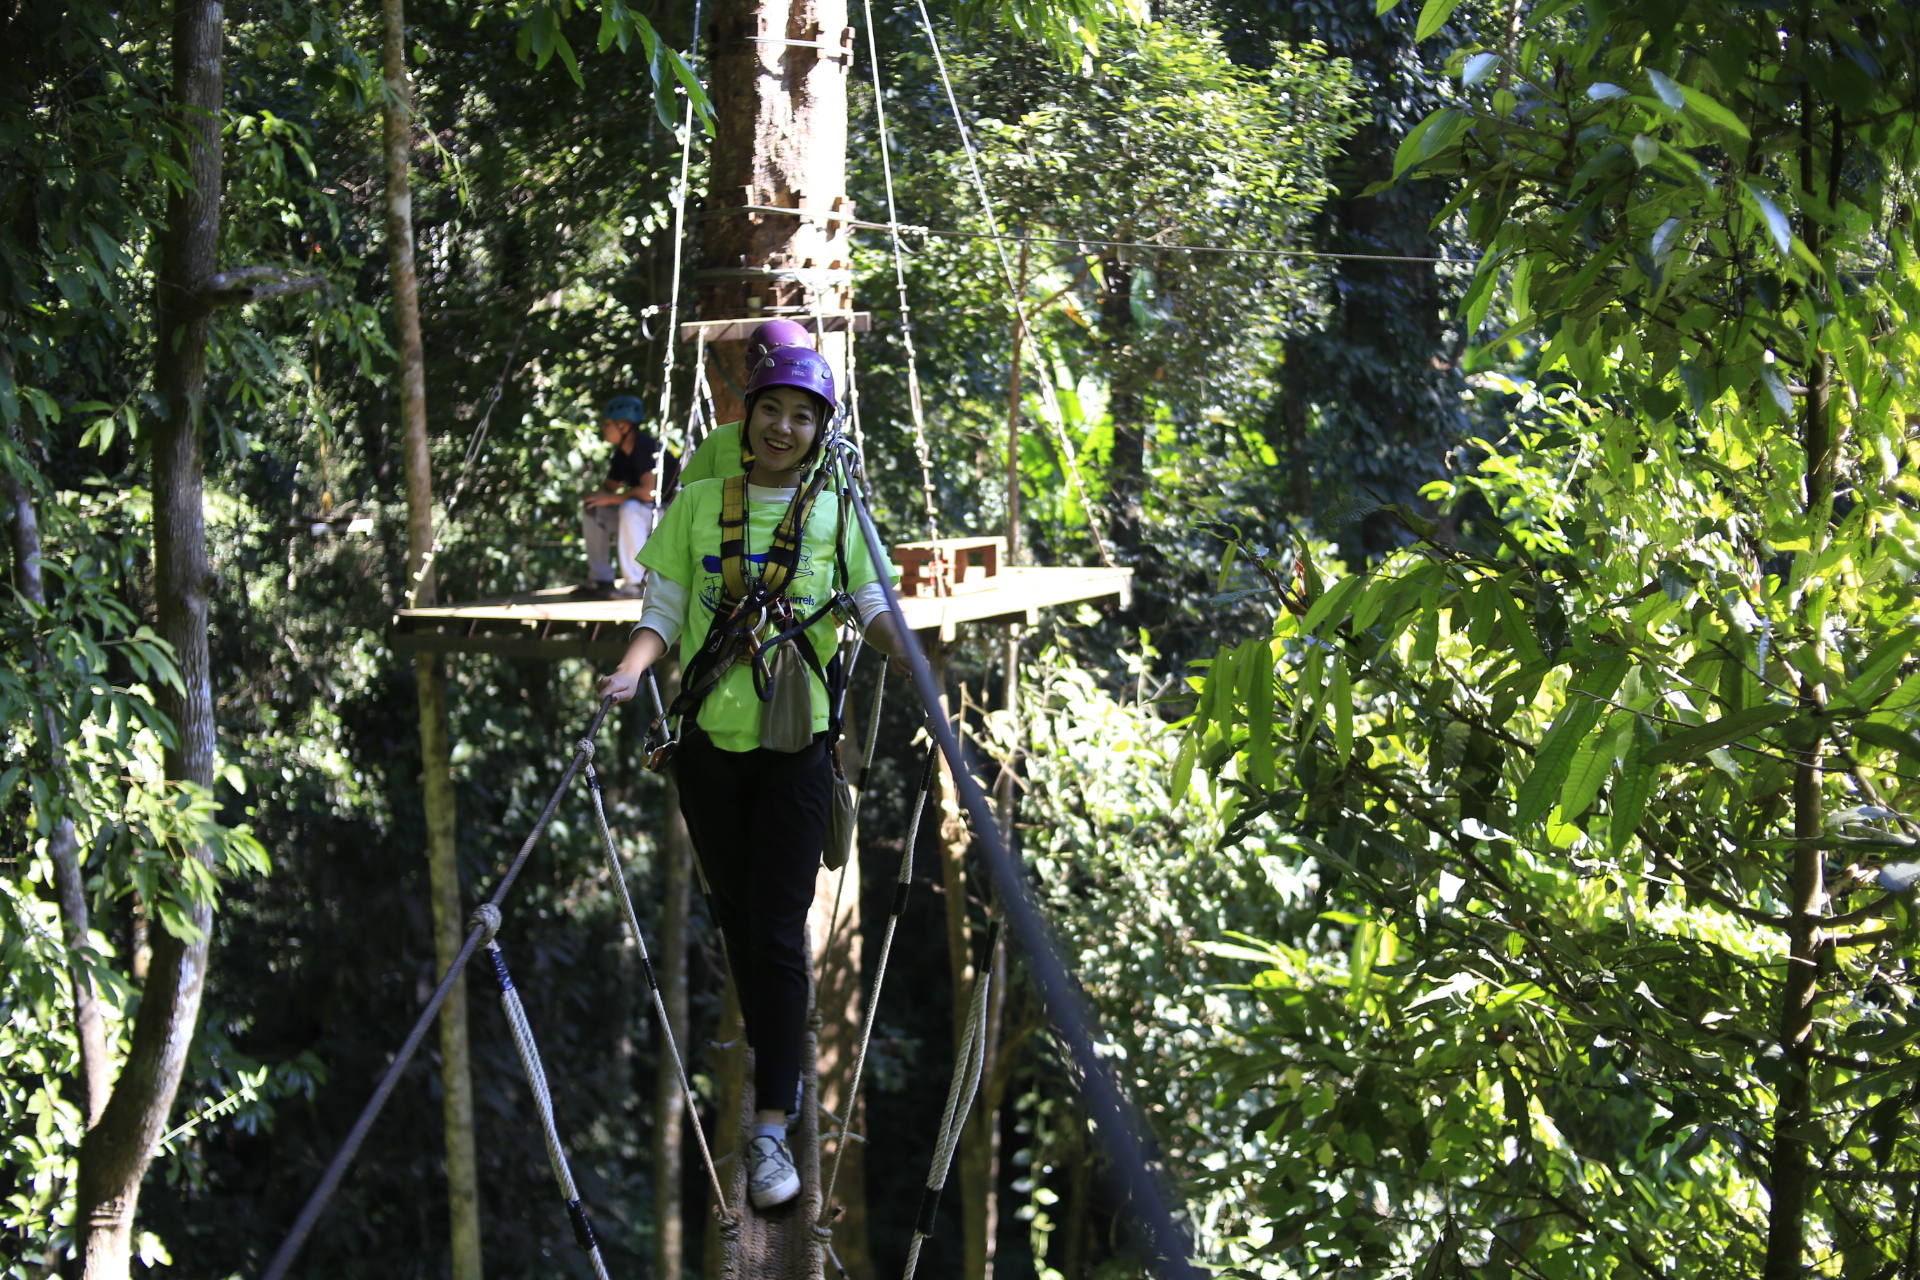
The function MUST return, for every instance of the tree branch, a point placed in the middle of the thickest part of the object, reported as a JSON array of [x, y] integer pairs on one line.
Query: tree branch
[[242, 285]]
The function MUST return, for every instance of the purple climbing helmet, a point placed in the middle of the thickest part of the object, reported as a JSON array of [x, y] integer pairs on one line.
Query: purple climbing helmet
[[791, 366], [774, 334]]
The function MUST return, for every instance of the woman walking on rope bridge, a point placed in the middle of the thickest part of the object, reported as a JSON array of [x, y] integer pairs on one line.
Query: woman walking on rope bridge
[[756, 705]]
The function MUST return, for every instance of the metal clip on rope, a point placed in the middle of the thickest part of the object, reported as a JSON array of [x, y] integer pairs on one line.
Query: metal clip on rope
[[486, 924]]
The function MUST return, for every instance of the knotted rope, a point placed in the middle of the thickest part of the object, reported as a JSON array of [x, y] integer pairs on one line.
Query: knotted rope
[[961, 1090], [488, 918], [481, 931]]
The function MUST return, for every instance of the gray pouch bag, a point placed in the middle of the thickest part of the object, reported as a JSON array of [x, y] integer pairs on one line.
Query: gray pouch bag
[[786, 719], [845, 811]]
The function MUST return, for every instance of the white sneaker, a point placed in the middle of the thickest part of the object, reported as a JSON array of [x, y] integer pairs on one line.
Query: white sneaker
[[771, 1177]]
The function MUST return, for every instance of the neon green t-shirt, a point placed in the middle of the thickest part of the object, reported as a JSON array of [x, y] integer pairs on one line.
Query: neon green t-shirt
[[686, 548], [716, 457]]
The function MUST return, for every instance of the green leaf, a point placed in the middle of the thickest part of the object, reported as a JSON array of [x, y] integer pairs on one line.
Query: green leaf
[[1552, 761], [1589, 770], [1519, 635], [1332, 604], [1428, 138], [1777, 224], [1256, 687], [1479, 67], [1718, 733], [1667, 91], [1634, 787], [1433, 16], [1712, 112], [1183, 767], [1889, 738], [1880, 668]]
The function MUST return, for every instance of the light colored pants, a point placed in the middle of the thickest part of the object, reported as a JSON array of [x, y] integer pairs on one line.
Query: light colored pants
[[623, 528]]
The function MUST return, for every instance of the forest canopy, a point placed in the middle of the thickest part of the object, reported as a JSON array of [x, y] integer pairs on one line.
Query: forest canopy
[[1484, 835]]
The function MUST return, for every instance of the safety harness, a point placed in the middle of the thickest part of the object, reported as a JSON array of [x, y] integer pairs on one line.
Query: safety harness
[[754, 617]]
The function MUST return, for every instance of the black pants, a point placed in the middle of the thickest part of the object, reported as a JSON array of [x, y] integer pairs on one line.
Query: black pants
[[758, 821]]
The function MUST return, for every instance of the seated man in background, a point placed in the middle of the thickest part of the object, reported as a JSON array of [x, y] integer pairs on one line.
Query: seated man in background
[[619, 514]]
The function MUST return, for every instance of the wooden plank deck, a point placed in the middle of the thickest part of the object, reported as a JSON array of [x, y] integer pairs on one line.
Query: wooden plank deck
[[551, 624]]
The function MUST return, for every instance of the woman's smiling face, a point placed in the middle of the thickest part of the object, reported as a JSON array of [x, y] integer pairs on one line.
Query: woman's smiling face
[[786, 421]]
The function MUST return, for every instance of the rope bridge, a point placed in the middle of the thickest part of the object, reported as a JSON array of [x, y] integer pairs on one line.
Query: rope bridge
[[792, 1242]]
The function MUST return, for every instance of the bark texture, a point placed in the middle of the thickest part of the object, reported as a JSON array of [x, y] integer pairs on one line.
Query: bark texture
[[730, 1073], [975, 1159], [443, 856], [780, 141], [1127, 405], [117, 1150]]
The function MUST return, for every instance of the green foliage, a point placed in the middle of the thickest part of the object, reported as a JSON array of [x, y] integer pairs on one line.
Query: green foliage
[[1580, 778]]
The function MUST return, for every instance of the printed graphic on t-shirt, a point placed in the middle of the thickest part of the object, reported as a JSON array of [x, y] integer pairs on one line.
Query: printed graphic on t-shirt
[[713, 586]]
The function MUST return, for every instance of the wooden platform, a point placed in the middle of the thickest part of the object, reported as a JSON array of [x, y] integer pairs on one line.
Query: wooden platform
[[551, 624]]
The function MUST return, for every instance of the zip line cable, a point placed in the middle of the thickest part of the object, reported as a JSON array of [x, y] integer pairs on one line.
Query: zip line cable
[[909, 228], [283, 1257], [1022, 332], [900, 284]]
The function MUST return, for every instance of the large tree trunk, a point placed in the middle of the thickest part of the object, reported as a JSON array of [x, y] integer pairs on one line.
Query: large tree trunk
[[63, 847], [116, 1151], [730, 1076], [669, 1107], [780, 140], [443, 859], [1789, 1166]]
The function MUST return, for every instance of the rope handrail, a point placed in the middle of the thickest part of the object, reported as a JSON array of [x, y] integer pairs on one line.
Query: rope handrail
[[1022, 329], [892, 226], [289, 1249], [653, 985], [1060, 996]]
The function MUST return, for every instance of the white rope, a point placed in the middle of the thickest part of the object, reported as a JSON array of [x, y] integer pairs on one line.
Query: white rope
[[679, 235], [659, 1002], [900, 283], [967, 1072], [543, 1103], [1054, 418]]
